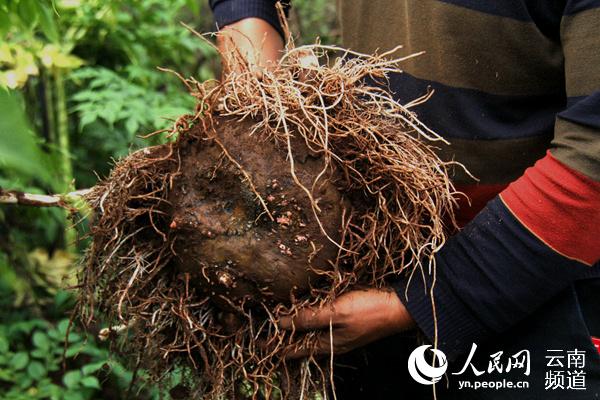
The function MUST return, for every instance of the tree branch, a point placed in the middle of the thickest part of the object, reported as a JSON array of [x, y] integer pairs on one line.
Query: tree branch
[[41, 200]]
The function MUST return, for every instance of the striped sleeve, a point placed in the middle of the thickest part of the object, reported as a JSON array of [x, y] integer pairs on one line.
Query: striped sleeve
[[541, 233], [558, 200], [490, 276], [229, 11]]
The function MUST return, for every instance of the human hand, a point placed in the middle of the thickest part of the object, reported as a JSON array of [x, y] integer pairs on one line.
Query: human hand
[[355, 319], [252, 38]]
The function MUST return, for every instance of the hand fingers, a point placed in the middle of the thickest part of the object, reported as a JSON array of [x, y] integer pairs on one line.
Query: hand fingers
[[322, 346], [309, 318]]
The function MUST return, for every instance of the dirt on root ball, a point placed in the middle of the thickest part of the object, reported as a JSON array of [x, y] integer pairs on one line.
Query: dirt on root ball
[[239, 249], [276, 193]]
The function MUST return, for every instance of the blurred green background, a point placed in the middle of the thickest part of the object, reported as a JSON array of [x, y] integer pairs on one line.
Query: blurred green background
[[78, 84]]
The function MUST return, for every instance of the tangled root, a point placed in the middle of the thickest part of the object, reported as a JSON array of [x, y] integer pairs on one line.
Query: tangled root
[[399, 197]]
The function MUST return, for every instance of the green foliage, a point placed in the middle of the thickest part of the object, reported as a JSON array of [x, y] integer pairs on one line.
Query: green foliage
[[38, 360], [315, 18], [33, 279], [20, 151], [87, 81], [121, 93], [145, 33], [113, 100], [83, 84], [124, 106]]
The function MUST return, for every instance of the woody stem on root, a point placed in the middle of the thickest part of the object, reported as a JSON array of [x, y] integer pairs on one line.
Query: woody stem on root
[[42, 200]]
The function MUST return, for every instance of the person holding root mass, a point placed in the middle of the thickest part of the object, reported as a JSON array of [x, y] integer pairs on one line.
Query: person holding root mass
[[517, 95]]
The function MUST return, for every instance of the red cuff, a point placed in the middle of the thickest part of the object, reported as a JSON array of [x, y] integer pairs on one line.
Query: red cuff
[[560, 206]]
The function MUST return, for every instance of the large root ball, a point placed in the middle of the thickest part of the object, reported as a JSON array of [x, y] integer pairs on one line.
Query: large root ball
[[279, 191], [241, 226]]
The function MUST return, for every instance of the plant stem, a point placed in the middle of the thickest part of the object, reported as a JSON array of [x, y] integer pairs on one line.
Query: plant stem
[[41, 200], [62, 133], [49, 106]]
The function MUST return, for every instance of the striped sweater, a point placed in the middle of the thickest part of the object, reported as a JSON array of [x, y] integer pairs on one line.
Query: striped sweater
[[517, 96]]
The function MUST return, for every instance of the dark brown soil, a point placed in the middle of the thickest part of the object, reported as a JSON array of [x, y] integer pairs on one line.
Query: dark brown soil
[[224, 237], [201, 245]]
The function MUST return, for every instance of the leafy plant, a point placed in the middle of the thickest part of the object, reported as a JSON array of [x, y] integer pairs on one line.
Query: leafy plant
[[315, 18], [20, 150], [78, 83], [31, 363]]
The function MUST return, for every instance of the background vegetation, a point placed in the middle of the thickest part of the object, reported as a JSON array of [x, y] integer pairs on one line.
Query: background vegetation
[[78, 84]]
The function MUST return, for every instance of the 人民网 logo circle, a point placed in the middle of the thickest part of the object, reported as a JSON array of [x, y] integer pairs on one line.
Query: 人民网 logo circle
[[423, 372]]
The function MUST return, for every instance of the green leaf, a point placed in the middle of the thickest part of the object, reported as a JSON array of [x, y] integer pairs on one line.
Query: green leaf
[[85, 95], [73, 396], [27, 326], [63, 326], [92, 350], [72, 378], [6, 375], [74, 337], [3, 345], [86, 119], [110, 112], [62, 298], [39, 354], [117, 369], [55, 365], [48, 389], [90, 382], [53, 55], [28, 12], [54, 334], [74, 350], [36, 370], [4, 22], [24, 382], [132, 125], [19, 361], [48, 24], [41, 341], [19, 149], [93, 367]]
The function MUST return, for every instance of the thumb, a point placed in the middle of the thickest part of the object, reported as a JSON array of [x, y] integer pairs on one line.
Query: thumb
[[310, 318]]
